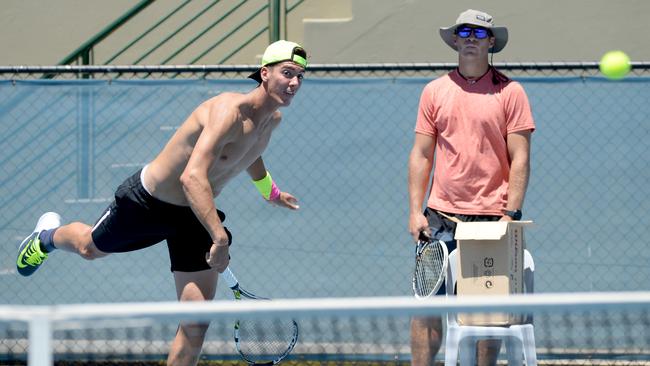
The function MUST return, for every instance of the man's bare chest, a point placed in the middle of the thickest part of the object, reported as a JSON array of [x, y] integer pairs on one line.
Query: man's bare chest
[[243, 152]]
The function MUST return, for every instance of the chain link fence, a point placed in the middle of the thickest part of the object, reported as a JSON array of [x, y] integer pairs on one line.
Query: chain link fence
[[402, 70], [71, 135]]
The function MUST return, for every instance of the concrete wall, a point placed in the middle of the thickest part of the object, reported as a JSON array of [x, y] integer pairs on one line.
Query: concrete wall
[[342, 31], [540, 30], [38, 32]]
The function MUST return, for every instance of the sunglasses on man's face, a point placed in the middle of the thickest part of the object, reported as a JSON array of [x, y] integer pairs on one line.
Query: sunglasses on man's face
[[479, 33]]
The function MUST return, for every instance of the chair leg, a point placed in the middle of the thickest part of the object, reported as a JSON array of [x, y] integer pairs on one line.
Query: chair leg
[[451, 346], [530, 351], [514, 350]]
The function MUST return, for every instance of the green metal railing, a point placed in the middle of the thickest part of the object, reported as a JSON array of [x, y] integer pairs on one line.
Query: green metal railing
[[276, 27], [232, 32], [85, 52], [288, 8]]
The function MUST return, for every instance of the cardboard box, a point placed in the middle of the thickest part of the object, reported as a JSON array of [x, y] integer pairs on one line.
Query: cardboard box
[[491, 257]]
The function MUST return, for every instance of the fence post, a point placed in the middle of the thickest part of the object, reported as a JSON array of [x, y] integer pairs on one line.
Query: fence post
[[274, 20], [85, 141], [86, 59]]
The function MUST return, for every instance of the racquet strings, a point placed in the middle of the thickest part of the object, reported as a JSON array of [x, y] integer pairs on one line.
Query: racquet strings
[[428, 268], [263, 340]]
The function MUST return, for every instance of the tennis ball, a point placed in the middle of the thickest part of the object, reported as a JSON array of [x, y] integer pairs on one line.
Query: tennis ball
[[615, 65]]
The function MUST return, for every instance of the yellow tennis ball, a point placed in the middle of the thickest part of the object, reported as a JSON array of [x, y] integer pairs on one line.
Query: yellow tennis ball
[[615, 65]]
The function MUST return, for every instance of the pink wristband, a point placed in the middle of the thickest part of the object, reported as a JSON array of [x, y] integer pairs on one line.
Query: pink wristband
[[275, 192]]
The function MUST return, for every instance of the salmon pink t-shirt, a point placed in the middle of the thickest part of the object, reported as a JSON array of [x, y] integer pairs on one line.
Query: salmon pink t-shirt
[[470, 122]]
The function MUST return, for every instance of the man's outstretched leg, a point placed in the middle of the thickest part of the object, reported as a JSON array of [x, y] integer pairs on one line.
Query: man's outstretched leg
[[49, 235], [191, 286]]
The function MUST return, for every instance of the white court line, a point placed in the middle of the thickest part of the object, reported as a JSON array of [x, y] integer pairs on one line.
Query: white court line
[[169, 128], [127, 165], [88, 200], [104, 199], [7, 271]]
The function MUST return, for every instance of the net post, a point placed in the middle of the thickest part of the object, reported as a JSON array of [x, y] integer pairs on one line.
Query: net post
[[40, 341]]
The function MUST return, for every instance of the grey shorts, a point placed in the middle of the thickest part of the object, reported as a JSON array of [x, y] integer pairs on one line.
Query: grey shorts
[[444, 229]]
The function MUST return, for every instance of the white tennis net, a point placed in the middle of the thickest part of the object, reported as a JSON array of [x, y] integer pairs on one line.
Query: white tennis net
[[576, 329]]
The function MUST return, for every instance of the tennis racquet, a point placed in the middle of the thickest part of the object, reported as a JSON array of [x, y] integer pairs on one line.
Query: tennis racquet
[[431, 259], [261, 341]]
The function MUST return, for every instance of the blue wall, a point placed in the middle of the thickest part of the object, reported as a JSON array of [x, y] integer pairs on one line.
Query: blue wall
[[342, 149]]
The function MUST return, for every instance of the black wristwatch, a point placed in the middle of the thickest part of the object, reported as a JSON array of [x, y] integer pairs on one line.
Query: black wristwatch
[[515, 215]]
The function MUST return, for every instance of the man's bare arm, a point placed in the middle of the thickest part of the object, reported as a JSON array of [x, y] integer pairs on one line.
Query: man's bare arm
[[519, 151], [419, 171], [222, 127], [257, 170]]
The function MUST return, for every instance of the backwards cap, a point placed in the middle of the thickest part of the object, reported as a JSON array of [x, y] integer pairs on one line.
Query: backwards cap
[[280, 51]]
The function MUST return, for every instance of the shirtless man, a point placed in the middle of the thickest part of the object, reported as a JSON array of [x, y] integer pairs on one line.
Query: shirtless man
[[172, 198]]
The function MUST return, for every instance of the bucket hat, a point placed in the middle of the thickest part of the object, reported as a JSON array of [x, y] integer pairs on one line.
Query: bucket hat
[[480, 19]]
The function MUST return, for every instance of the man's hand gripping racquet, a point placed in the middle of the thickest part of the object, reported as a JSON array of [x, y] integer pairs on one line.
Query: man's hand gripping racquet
[[431, 260], [261, 341]]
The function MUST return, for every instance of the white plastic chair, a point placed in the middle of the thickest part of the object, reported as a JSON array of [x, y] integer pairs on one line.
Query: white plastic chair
[[519, 339]]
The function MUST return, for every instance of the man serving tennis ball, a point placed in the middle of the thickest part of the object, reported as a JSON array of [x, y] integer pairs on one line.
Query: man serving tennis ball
[[172, 198]]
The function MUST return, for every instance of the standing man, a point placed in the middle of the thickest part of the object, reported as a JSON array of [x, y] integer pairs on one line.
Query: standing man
[[172, 198], [475, 123]]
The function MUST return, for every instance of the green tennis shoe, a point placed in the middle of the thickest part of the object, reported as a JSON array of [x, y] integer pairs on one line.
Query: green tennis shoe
[[30, 255]]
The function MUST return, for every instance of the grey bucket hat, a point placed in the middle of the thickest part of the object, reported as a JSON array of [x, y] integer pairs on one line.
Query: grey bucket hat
[[477, 18]]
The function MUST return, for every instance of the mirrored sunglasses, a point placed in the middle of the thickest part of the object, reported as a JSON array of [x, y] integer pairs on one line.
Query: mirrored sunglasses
[[479, 33]]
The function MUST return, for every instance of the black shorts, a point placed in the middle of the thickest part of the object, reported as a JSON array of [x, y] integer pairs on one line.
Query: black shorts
[[444, 229], [136, 220]]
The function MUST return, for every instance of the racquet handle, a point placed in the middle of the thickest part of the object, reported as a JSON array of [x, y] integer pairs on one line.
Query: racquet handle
[[424, 237], [230, 278]]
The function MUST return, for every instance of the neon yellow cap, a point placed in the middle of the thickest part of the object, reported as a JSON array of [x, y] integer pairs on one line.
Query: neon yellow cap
[[280, 51]]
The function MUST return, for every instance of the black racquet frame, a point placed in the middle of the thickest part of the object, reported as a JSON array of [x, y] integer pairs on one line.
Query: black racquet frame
[[238, 293]]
